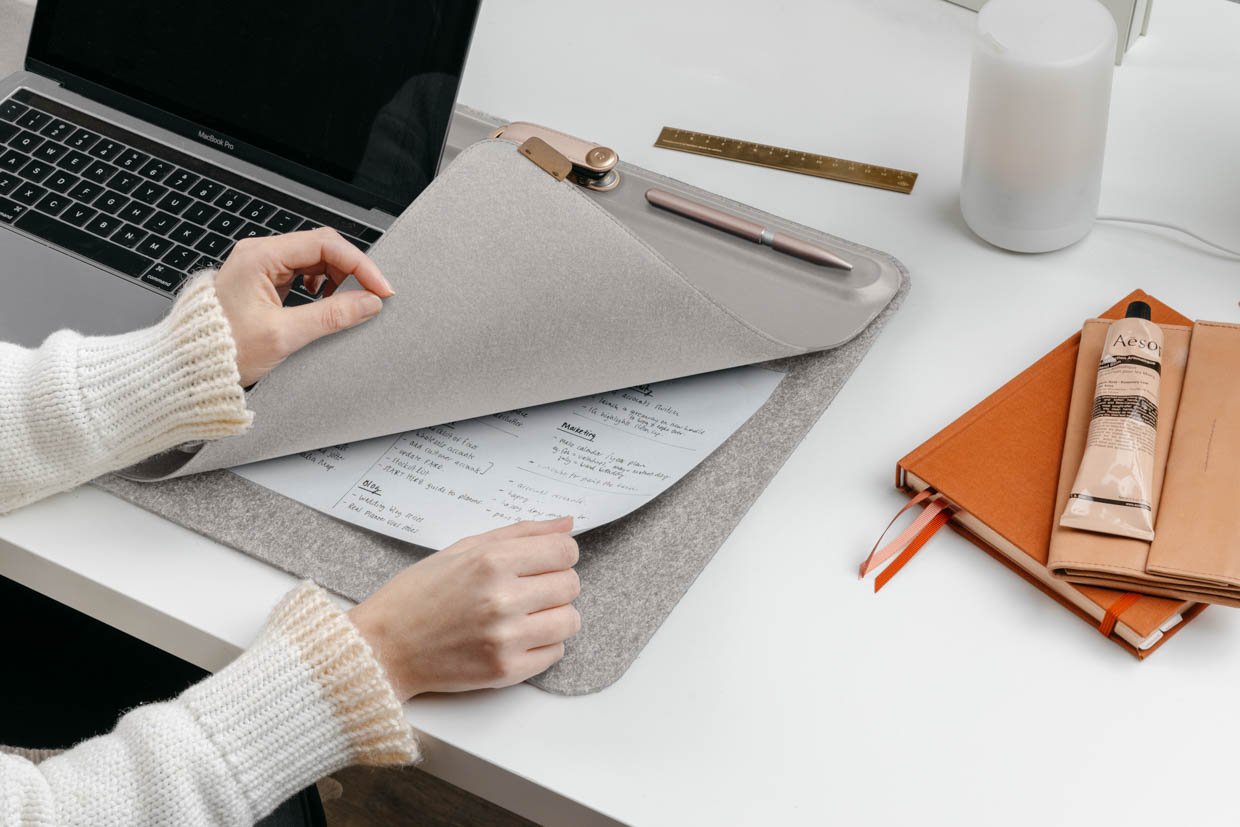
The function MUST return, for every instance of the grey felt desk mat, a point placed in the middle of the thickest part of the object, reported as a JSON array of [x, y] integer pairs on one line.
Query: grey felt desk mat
[[633, 571]]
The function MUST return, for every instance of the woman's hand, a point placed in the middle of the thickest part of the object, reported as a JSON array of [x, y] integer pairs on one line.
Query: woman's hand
[[490, 611], [252, 284]]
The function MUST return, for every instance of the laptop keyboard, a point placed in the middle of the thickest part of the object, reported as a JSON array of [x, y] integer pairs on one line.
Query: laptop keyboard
[[145, 210]]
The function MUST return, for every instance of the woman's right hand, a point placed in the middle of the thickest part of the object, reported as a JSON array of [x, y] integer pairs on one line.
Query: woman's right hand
[[489, 611]]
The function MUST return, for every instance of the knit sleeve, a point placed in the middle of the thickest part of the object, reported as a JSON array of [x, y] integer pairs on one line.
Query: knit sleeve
[[307, 699], [80, 406]]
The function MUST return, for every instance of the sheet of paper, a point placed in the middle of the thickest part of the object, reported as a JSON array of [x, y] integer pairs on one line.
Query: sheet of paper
[[596, 458]]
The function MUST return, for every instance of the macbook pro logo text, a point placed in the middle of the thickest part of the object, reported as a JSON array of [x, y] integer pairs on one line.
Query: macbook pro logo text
[[222, 143]]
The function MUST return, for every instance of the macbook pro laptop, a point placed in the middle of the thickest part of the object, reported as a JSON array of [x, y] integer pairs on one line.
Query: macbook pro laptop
[[144, 139]]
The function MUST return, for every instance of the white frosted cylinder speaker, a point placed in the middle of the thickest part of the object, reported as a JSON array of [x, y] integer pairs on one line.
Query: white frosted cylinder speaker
[[1039, 95]]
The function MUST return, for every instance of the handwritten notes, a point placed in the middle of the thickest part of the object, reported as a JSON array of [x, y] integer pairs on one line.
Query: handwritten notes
[[596, 458]]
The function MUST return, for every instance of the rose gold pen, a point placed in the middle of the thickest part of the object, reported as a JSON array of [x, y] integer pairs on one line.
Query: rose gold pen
[[746, 229]]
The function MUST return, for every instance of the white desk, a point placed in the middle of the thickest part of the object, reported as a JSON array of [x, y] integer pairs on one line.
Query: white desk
[[781, 690]]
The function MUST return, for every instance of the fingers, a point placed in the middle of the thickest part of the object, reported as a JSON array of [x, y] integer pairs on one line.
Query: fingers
[[307, 322], [527, 528], [321, 251], [547, 591], [540, 555], [537, 661], [549, 627]]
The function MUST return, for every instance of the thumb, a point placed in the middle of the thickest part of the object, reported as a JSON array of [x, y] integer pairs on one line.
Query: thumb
[[337, 312]]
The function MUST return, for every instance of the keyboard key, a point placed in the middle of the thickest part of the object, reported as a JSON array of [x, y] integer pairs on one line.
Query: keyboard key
[[53, 203], [7, 130], [83, 139], [164, 277], [251, 230], [60, 181], [358, 243], [14, 160], [86, 191], [213, 245], [57, 130], [50, 151], [11, 110], [10, 210], [103, 225], [257, 211], [296, 299], [160, 222], [83, 243], [136, 212], [154, 246], [283, 221], [106, 149], [36, 171], [155, 169], [28, 193], [149, 193], [25, 141], [74, 162], [186, 233], [129, 235], [33, 119], [200, 213], [226, 223], [232, 201], [110, 202], [130, 159], [174, 202], [8, 180], [180, 257], [98, 172], [79, 214], [124, 181], [205, 263], [206, 190], [181, 180]]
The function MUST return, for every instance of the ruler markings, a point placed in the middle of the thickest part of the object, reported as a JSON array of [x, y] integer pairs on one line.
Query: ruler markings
[[788, 160]]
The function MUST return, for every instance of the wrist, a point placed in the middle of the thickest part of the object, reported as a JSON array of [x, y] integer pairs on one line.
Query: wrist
[[373, 628]]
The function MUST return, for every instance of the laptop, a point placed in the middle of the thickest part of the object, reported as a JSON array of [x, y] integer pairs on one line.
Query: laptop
[[144, 139]]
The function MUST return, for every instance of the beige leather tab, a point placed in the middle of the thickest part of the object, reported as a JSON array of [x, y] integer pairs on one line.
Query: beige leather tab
[[546, 158], [1198, 537]]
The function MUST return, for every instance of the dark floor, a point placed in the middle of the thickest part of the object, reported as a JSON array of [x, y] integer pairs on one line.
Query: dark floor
[[77, 676]]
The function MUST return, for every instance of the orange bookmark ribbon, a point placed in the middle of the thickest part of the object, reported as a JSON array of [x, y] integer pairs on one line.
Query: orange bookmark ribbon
[[934, 515]]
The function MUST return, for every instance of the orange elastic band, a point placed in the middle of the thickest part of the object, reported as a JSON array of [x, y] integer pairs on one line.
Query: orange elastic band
[[939, 520], [1122, 604]]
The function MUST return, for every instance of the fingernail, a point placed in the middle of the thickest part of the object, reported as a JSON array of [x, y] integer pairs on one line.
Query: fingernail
[[391, 291], [371, 305]]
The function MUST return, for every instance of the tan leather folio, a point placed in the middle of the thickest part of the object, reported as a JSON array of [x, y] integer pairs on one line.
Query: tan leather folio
[[1195, 554], [998, 466]]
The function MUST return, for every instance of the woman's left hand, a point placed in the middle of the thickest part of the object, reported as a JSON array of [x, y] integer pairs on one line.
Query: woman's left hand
[[252, 284]]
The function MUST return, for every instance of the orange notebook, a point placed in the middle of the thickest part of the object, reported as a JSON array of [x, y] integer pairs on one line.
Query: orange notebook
[[994, 473]]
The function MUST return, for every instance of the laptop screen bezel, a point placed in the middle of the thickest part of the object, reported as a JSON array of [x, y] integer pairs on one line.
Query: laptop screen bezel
[[190, 129]]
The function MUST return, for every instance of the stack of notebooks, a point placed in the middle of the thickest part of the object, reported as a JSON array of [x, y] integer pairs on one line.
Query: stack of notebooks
[[996, 474]]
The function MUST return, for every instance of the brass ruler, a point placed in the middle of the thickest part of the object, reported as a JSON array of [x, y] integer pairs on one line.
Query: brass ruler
[[789, 160]]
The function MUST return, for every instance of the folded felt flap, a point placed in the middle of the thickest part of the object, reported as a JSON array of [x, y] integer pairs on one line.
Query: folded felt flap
[[1197, 536], [1073, 551], [513, 290]]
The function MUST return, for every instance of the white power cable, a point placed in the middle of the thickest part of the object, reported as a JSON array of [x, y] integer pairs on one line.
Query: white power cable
[[1166, 226]]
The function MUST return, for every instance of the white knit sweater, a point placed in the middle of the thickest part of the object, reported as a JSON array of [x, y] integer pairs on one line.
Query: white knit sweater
[[306, 699]]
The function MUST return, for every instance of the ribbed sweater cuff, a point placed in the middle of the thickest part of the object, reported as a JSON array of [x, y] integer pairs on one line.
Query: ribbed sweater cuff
[[307, 699], [171, 383]]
